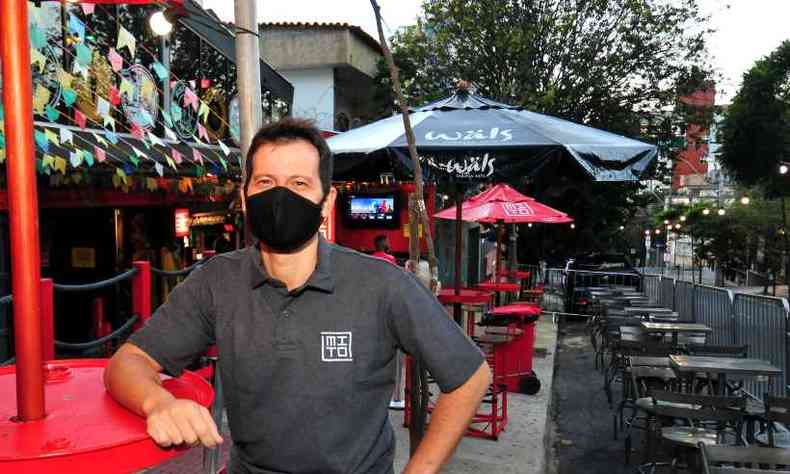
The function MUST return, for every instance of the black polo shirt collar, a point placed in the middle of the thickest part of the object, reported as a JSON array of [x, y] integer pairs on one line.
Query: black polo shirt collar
[[322, 278]]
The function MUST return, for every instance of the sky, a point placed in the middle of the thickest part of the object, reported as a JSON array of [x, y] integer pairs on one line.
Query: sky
[[746, 30]]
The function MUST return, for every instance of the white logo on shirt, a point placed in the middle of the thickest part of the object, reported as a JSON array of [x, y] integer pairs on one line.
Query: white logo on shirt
[[336, 347]]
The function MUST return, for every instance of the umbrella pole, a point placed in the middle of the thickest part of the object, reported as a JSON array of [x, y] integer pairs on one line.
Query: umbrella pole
[[459, 242], [498, 250]]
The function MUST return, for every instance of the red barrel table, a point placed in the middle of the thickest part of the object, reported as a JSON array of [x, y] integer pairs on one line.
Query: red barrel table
[[499, 287], [85, 429], [517, 355], [466, 296]]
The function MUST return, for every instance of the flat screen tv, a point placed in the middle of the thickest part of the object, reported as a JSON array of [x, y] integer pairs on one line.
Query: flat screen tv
[[380, 210]]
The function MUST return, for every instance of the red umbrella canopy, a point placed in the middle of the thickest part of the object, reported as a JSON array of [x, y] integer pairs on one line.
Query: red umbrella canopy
[[502, 203], [129, 2]]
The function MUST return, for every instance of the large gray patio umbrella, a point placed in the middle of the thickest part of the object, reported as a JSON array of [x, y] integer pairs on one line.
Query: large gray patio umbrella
[[467, 138]]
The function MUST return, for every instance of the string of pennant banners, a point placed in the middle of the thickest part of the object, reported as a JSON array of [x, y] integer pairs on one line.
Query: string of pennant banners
[[113, 86]]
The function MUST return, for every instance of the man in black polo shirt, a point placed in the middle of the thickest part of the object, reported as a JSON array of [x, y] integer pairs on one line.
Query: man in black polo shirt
[[307, 334]]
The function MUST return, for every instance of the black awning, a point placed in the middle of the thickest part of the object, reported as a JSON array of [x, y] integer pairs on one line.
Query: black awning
[[223, 40]]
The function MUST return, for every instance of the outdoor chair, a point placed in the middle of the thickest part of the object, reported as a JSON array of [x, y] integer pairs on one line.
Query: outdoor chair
[[683, 421], [777, 410], [744, 460], [710, 381], [638, 383]]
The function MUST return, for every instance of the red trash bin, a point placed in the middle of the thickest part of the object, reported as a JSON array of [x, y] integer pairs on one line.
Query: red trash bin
[[518, 375]]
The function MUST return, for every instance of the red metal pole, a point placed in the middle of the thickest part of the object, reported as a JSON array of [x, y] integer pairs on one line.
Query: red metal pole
[[97, 311], [48, 318], [22, 208], [141, 293]]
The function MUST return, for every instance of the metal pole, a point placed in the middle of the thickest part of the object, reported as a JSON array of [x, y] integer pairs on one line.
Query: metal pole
[[248, 74], [22, 208], [459, 239], [167, 99]]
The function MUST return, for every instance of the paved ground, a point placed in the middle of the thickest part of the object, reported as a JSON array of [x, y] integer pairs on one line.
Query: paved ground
[[521, 449]]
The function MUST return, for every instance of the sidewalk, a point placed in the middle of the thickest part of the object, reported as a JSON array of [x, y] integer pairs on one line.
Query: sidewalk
[[521, 449]]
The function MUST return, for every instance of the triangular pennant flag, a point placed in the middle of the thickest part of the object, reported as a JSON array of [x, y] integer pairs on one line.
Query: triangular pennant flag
[[171, 163], [160, 70], [60, 164], [202, 132], [110, 122], [224, 163], [41, 140], [88, 8], [38, 39], [115, 96], [171, 135], [176, 111], [76, 27], [224, 148], [116, 60], [64, 78], [48, 161], [134, 160], [177, 156], [102, 107], [52, 137], [52, 113], [205, 83], [159, 169], [167, 118], [203, 112], [101, 155], [112, 137], [137, 132], [69, 97], [84, 55], [139, 153], [78, 68], [197, 156], [80, 118], [125, 40], [116, 181], [155, 140], [145, 118], [150, 184], [38, 59], [75, 158], [40, 98], [127, 88], [190, 98], [200, 171], [88, 157], [66, 136], [99, 139]]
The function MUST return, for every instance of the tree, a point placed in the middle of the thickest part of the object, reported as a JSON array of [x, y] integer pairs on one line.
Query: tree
[[755, 134], [599, 62]]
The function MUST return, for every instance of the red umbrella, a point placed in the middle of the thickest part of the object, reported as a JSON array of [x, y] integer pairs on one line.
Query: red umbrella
[[503, 204]]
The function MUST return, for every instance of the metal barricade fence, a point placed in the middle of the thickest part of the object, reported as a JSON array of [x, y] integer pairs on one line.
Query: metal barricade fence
[[684, 301], [666, 295], [651, 287], [761, 323], [713, 308], [554, 279]]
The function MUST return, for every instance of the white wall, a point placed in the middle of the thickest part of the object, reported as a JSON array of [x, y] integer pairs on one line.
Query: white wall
[[314, 95]]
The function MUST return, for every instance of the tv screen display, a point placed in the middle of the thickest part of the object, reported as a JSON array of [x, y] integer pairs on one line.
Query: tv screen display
[[372, 210]]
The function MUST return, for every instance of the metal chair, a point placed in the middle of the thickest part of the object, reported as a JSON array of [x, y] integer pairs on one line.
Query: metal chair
[[641, 382], [744, 460], [777, 410], [705, 419], [716, 350]]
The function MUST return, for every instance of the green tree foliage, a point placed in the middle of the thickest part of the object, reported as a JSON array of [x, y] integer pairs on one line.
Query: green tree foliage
[[600, 62], [755, 134]]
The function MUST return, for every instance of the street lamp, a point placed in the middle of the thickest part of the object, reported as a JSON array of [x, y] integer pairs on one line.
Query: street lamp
[[745, 200], [160, 24], [783, 167], [706, 211], [622, 227], [666, 222], [682, 218], [573, 226], [721, 212], [677, 226], [647, 232], [658, 231]]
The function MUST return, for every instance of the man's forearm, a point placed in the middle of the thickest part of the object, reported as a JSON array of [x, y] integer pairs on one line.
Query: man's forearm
[[449, 420], [133, 383]]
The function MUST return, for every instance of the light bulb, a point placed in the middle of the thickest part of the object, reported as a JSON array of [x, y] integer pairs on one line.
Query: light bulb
[[573, 226], [783, 169], [706, 211], [682, 218], [722, 212], [745, 200], [160, 25]]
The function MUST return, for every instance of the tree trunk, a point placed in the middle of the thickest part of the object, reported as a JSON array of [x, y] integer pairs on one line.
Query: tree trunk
[[417, 206]]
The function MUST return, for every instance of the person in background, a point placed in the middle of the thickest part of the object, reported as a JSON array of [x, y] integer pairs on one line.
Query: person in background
[[382, 246]]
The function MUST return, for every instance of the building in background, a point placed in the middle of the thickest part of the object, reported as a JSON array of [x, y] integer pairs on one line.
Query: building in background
[[332, 67]]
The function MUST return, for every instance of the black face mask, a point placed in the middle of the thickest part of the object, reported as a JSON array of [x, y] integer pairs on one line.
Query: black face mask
[[282, 219]]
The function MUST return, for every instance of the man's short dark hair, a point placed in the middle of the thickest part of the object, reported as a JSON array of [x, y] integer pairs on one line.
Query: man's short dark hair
[[379, 243], [287, 130]]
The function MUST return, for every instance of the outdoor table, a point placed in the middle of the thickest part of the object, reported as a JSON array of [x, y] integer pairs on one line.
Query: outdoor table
[[675, 329], [648, 361], [469, 297], [643, 310], [724, 366], [499, 287]]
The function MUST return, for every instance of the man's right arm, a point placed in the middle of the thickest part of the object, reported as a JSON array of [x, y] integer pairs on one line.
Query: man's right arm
[[132, 378]]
